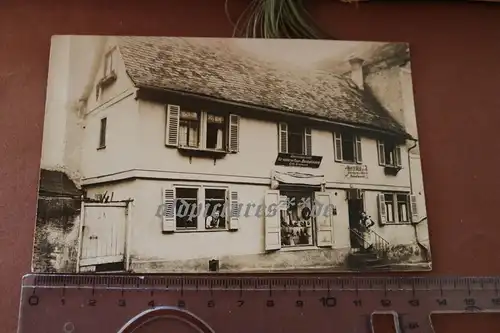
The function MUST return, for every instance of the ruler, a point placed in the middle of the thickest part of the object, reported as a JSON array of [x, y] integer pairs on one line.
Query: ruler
[[223, 304]]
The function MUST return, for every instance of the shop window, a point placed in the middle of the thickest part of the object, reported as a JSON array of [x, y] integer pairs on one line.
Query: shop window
[[296, 220]]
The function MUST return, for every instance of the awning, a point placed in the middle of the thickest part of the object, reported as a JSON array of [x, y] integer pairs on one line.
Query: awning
[[298, 178]]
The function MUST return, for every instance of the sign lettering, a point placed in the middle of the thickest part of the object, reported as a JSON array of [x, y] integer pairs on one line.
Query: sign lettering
[[356, 171], [304, 161]]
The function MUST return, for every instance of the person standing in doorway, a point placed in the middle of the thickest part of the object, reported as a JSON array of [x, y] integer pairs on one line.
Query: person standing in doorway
[[366, 223]]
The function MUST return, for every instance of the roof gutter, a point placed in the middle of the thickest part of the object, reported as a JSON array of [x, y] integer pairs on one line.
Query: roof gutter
[[274, 111]]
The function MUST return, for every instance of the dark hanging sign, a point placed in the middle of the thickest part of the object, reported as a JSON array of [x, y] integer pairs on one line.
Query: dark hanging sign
[[303, 161]]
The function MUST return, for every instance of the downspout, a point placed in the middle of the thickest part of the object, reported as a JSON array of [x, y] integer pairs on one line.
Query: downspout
[[420, 245], [409, 163]]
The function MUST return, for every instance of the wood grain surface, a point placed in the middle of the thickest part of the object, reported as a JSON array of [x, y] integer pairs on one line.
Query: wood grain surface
[[456, 74]]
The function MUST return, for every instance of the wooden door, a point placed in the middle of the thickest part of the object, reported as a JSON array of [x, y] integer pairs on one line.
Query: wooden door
[[103, 233]]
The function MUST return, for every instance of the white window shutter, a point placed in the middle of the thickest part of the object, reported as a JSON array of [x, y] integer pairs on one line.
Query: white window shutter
[[307, 141], [381, 153], [272, 221], [397, 156], [168, 224], [324, 219], [172, 125], [283, 138], [359, 155], [234, 133], [234, 215], [382, 211], [414, 208]]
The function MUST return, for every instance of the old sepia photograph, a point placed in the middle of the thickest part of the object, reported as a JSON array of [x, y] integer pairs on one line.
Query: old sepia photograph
[[230, 155]]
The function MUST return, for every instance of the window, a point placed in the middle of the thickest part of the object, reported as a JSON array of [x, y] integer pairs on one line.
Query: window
[[402, 207], [215, 209], [186, 208], [201, 130], [215, 131], [294, 139], [347, 147], [389, 154], [296, 220], [396, 207], [108, 63], [189, 128], [199, 208], [102, 134]]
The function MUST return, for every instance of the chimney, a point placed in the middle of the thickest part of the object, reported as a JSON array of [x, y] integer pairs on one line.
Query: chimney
[[357, 72]]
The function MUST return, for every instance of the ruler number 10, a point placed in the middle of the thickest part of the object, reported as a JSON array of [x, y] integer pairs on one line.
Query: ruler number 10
[[329, 302]]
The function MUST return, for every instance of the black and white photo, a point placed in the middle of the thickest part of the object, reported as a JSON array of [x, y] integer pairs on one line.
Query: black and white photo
[[198, 155]]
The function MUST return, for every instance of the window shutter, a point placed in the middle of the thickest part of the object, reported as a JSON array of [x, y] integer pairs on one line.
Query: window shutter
[[414, 208], [307, 141], [359, 157], [283, 138], [397, 157], [272, 223], [234, 133], [338, 146], [381, 209], [235, 212], [168, 224], [324, 219], [381, 153], [172, 125]]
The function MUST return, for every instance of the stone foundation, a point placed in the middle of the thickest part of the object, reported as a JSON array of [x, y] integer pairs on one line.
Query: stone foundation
[[306, 260]]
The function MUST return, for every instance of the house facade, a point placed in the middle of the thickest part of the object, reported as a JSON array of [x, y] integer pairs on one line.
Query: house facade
[[176, 132]]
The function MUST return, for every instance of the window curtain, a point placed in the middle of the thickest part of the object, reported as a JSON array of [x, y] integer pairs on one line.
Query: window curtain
[[219, 139]]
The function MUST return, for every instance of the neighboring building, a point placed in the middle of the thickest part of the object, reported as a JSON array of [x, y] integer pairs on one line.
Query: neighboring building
[[172, 121]]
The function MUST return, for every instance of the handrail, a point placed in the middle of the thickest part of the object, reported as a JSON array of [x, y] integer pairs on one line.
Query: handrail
[[379, 244]]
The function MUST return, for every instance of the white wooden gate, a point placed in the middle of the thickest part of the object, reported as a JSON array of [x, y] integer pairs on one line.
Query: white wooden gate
[[103, 233]]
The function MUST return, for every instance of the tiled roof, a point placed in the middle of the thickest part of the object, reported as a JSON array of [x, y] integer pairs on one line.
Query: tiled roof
[[211, 67]]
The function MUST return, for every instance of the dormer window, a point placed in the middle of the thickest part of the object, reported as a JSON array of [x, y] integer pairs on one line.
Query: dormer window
[[294, 139]]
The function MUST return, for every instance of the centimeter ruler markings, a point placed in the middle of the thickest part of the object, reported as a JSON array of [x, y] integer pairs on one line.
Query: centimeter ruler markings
[[80, 303]]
